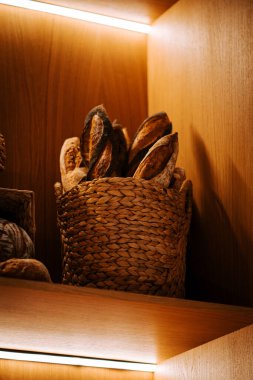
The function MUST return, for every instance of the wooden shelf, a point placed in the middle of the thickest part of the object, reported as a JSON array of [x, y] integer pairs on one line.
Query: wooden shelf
[[134, 10], [108, 324]]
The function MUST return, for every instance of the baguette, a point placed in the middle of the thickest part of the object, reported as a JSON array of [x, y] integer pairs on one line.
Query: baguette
[[178, 178], [70, 159], [159, 162], [102, 167], [121, 141], [97, 145], [150, 131]]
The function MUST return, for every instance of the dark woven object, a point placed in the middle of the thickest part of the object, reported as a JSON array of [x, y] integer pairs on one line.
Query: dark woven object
[[18, 206], [2, 153], [125, 234]]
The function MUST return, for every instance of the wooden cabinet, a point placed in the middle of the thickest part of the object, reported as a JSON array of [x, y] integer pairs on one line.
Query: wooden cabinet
[[61, 319], [107, 324], [196, 65]]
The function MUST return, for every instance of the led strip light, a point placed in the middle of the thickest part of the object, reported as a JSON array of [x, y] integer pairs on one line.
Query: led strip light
[[75, 361], [80, 15]]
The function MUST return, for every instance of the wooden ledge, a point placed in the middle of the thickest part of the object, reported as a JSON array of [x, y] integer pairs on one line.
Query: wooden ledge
[[108, 324]]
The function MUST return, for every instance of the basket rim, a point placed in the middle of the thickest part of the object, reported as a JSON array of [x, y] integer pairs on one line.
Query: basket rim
[[151, 184]]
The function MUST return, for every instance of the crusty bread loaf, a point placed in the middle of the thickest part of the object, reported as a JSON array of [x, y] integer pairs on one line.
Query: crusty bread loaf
[[70, 159], [29, 269], [97, 144], [94, 133], [160, 161], [14, 241], [121, 143], [150, 131], [178, 178], [103, 165]]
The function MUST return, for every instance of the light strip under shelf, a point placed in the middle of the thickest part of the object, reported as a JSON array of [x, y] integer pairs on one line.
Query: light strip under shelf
[[80, 15], [75, 361]]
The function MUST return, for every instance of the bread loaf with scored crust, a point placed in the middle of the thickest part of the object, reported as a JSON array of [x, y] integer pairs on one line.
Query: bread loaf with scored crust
[[121, 143], [28, 269], [70, 159], [150, 131], [14, 241], [160, 161], [178, 178], [97, 144]]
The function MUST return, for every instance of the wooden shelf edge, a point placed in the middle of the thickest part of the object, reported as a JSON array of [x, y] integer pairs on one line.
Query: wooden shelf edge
[[229, 355], [108, 324]]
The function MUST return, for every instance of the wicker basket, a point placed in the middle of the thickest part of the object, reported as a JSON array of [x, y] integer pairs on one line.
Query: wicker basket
[[125, 234]]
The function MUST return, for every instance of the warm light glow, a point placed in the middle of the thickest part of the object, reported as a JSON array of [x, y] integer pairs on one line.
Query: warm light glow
[[80, 15], [75, 360]]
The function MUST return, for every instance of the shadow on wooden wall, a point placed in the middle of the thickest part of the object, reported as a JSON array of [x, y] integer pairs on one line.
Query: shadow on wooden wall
[[218, 268]]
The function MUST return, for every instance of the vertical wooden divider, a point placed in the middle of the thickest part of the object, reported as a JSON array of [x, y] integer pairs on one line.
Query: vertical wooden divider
[[200, 72]]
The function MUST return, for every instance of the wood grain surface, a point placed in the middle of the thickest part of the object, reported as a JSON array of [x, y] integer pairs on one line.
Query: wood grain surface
[[108, 324], [200, 73], [135, 10], [53, 70], [229, 357], [15, 370]]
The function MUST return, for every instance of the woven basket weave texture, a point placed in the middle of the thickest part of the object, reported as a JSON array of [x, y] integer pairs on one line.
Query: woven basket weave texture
[[2, 153], [125, 234]]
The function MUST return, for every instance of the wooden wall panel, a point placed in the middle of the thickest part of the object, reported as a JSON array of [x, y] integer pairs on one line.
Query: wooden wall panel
[[229, 357], [135, 10], [53, 70], [15, 370], [200, 71]]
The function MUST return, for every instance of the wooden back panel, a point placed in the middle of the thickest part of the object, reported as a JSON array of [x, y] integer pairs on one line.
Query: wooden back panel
[[53, 70]]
